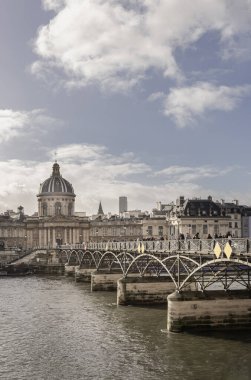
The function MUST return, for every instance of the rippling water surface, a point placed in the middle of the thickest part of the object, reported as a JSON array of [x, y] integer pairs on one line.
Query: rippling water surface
[[52, 328]]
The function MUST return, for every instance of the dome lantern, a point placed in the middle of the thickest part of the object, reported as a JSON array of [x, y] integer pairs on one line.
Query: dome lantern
[[56, 169]]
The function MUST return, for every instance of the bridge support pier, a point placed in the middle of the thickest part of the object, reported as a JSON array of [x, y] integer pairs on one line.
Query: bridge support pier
[[69, 270], [144, 290], [189, 310], [104, 281], [83, 274]]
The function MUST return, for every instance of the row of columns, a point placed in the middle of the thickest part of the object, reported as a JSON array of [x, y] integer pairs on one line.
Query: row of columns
[[48, 236]]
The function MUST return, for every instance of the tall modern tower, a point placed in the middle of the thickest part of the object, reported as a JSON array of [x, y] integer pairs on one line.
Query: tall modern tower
[[122, 204]]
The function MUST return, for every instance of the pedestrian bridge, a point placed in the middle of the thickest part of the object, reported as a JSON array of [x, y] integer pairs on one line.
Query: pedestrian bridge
[[205, 283], [201, 263]]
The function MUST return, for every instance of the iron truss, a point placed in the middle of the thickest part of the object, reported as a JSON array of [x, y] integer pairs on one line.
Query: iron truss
[[221, 268]]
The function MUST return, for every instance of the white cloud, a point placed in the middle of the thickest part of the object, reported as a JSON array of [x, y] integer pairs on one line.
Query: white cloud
[[184, 104], [188, 173], [53, 4], [95, 158], [18, 123], [98, 175], [114, 44], [156, 96]]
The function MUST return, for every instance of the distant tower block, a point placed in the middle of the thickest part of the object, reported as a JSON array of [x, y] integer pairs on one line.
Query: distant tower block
[[122, 204]]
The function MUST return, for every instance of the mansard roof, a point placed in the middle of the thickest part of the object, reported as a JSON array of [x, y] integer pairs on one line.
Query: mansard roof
[[202, 207]]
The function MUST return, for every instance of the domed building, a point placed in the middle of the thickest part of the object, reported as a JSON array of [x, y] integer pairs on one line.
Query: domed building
[[56, 195], [56, 222]]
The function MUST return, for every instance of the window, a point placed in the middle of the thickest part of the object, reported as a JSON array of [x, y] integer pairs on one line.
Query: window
[[230, 224], [160, 230], [205, 229], [44, 209], [149, 230], [57, 208], [235, 225], [70, 209]]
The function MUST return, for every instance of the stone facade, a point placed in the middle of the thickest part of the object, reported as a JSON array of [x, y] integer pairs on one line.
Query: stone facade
[[56, 222], [116, 229], [205, 218], [12, 232]]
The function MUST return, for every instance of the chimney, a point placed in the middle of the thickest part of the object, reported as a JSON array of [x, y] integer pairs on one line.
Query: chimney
[[159, 206]]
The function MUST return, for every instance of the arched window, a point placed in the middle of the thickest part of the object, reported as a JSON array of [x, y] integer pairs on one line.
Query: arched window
[[44, 209], [70, 209], [58, 208]]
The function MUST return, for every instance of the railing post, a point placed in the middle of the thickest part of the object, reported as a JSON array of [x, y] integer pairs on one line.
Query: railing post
[[178, 271]]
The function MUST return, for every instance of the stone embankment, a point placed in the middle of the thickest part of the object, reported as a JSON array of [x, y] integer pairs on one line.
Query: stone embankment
[[216, 310]]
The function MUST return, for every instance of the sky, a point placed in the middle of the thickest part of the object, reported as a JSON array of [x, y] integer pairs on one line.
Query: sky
[[148, 99]]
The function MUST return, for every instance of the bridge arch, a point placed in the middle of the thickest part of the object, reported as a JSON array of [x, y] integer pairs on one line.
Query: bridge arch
[[109, 260], [64, 256], [142, 262], [74, 258], [90, 259], [224, 271]]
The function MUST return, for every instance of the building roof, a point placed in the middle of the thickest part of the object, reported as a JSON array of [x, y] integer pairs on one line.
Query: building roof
[[56, 183], [201, 207]]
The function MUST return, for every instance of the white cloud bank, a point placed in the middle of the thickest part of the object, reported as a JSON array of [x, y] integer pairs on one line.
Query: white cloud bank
[[189, 174], [98, 175], [115, 43], [18, 123], [186, 103]]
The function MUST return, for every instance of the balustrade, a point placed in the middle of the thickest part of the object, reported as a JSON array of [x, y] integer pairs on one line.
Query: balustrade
[[238, 245]]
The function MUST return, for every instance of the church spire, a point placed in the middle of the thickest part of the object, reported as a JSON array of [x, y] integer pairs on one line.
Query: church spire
[[100, 209]]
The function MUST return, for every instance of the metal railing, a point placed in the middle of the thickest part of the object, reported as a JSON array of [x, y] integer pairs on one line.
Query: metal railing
[[238, 245]]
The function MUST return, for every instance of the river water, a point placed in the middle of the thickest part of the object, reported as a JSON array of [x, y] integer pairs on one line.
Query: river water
[[54, 329]]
